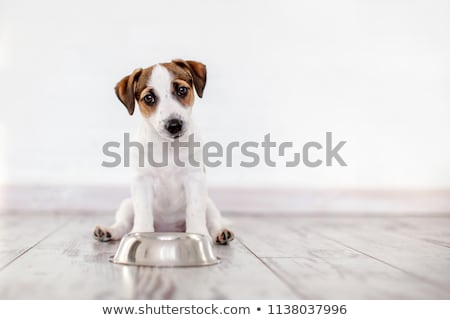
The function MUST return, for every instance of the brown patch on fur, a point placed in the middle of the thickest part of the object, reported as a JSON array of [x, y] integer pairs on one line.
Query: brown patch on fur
[[129, 88], [145, 109], [181, 77], [187, 100], [197, 71], [125, 89], [141, 85], [141, 90], [179, 72]]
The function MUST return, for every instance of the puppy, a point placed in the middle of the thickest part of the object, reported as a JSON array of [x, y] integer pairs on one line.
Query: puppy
[[169, 198]]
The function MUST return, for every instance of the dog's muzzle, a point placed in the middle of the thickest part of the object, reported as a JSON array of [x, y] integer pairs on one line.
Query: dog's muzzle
[[174, 127]]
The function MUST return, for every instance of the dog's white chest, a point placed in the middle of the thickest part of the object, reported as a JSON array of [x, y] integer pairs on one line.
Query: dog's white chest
[[169, 194], [169, 201]]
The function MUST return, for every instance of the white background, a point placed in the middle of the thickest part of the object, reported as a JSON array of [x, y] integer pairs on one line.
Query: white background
[[375, 73]]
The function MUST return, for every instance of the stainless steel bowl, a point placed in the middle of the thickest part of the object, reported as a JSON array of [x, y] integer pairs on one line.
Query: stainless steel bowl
[[165, 249]]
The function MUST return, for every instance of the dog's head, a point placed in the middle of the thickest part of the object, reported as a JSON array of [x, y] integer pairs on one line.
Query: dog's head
[[165, 94]]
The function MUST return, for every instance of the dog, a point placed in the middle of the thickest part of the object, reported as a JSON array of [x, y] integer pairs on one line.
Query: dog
[[169, 198]]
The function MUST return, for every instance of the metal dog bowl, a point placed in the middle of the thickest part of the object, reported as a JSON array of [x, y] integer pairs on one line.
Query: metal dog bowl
[[165, 249]]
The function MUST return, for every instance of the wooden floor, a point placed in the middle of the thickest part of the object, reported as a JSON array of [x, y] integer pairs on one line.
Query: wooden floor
[[52, 255]]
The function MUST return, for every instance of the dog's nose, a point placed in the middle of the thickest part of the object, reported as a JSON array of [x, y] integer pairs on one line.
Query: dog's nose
[[174, 126]]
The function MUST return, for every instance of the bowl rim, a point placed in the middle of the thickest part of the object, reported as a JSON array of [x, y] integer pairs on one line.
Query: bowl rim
[[154, 235], [205, 264]]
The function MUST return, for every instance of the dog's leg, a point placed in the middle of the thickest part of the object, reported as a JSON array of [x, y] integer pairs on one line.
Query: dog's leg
[[142, 193], [196, 198], [216, 228], [122, 225]]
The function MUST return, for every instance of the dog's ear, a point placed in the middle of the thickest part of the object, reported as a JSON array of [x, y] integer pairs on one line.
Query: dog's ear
[[198, 72], [125, 90]]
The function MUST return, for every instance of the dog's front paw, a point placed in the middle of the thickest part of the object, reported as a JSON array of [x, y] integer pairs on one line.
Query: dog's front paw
[[224, 237], [102, 234]]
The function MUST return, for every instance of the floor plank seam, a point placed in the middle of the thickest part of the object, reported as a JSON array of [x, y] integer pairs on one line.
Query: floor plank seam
[[437, 242], [293, 289], [412, 274], [21, 254]]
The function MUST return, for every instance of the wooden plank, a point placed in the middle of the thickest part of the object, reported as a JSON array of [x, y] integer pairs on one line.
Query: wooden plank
[[350, 277], [386, 242], [71, 265], [434, 230], [21, 231], [319, 268]]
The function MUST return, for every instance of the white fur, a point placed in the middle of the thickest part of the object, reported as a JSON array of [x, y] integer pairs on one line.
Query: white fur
[[170, 198]]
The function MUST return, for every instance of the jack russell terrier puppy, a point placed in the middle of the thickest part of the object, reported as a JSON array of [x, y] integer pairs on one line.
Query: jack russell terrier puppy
[[170, 198]]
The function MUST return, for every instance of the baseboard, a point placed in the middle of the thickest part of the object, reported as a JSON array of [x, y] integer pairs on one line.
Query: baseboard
[[233, 200]]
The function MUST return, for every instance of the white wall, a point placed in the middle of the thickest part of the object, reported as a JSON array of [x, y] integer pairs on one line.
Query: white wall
[[375, 73]]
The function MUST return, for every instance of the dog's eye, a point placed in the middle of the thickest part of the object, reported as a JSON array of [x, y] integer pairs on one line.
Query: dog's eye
[[149, 99], [182, 91]]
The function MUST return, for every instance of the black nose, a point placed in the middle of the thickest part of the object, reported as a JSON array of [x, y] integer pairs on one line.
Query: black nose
[[174, 126]]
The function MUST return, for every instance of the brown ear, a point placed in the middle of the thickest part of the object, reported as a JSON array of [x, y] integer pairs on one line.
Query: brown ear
[[198, 72], [125, 90]]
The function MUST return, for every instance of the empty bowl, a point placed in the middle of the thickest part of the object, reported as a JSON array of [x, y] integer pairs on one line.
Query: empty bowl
[[165, 249]]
